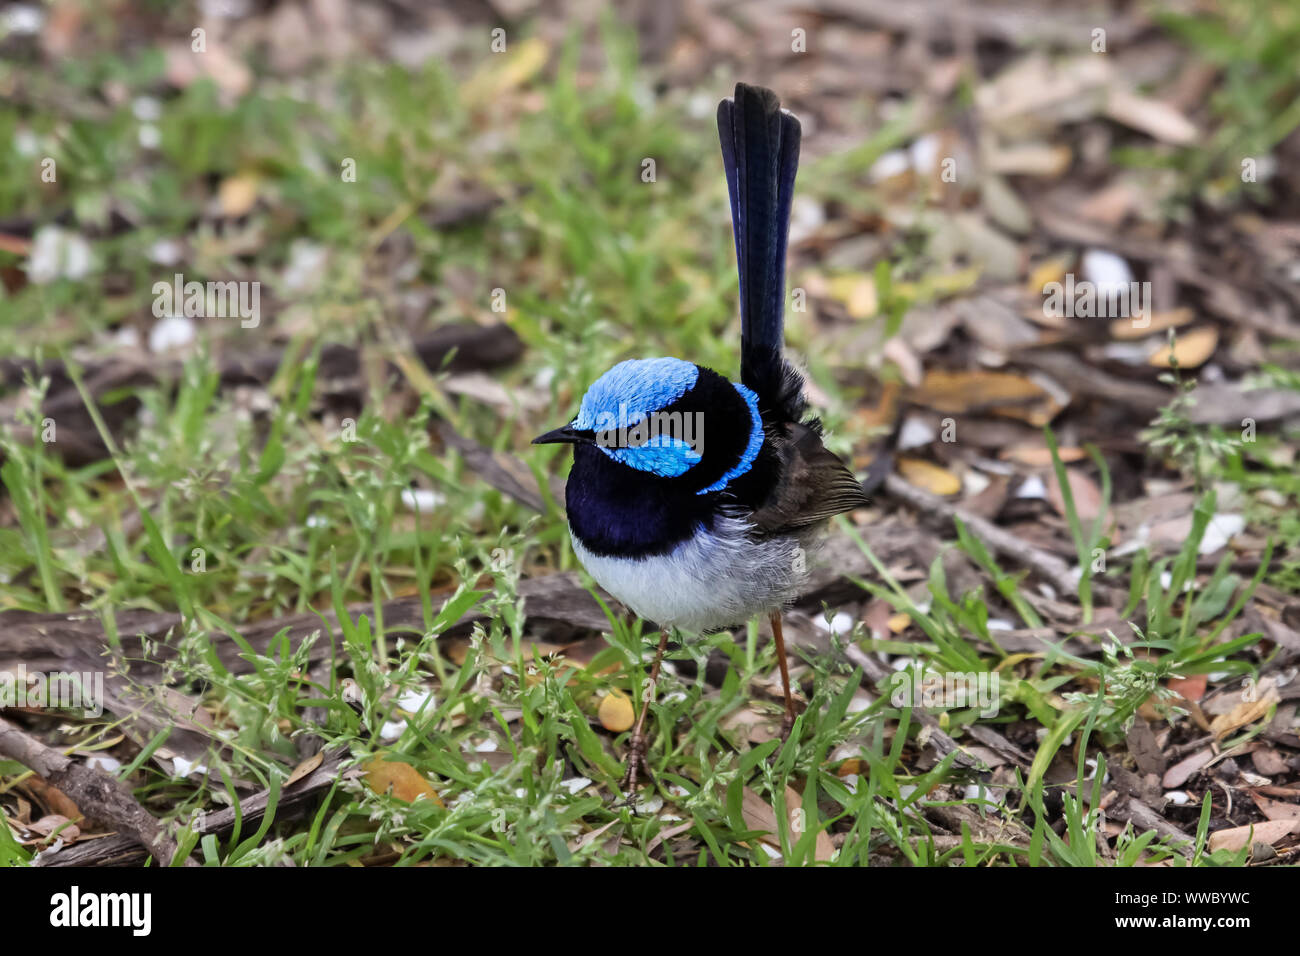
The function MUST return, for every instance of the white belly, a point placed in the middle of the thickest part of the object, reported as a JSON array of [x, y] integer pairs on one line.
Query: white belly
[[713, 580]]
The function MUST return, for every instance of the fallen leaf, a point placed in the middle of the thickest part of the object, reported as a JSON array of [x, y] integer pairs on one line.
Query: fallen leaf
[[304, 768], [1182, 771], [591, 836], [1153, 117], [1269, 762], [237, 194], [400, 779], [758, 815], [1247, 712], [856, 292], [52, 798], [47, 824], [1189, 688], [1276, 809], [931, 477], [1001, 393], [15, 244], [1236, 838], [1155, 322], [1086, 494], [500, 74], [1038, 455], [1049, 270], [616, 713], [668, 834], [1191, 350]]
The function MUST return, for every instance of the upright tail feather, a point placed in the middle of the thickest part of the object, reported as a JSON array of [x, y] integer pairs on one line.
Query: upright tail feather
[[760, 151]]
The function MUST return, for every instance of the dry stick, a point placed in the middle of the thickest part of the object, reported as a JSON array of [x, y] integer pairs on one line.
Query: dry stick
[[999, 541], [120, 851], [96, 793]]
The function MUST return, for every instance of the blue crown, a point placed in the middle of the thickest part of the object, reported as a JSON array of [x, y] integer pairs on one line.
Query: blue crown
[[631, 390]]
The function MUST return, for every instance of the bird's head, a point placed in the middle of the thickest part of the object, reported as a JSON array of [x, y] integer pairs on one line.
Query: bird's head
[[670, 419]]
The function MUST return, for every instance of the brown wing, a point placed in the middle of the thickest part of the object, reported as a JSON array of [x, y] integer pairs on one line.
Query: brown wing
[[816, 484]]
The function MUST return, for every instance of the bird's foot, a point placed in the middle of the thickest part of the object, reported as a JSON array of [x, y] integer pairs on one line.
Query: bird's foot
[[636, 766], [636, 762]]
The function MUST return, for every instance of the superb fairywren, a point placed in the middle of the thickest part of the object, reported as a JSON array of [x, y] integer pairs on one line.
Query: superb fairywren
[[694, 499]]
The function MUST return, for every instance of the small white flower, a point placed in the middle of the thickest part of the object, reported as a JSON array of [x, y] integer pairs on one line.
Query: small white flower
[[57, 254], [149, 136], [183, 768], [146, 109], [171, 332], [575, 785], [840, 623], [423, 500]]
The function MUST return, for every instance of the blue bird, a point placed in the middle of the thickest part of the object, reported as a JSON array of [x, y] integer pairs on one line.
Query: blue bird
[[693, 499]]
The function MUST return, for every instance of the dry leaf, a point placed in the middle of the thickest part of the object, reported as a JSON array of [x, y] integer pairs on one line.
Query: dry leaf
[[1191, 350], [932, 478], [1269, 762], [758, 815], [668, 834], [1002, 393], [1155, 322], [1276, 809], [500, 74], [1039, 456], [52, 798], [237, 195], [1182, 771], [1049, 270], [857, 293], [400, 779], [1189, 688], [1086, 494], [1270, 831], [1247, 712], [616, 712], [46, 825], [304, 768], [1153, 117]]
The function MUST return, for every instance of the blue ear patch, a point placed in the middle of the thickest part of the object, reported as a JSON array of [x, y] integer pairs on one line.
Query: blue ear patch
[[660, 455], [631, 390]]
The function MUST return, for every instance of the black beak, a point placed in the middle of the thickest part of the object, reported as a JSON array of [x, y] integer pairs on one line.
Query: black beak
[[567, 435]]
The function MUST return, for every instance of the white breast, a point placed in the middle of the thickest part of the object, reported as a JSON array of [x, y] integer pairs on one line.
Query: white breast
[[715, 579]]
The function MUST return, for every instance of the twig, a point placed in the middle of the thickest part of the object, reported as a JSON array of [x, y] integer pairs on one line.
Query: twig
[[1002, 542], [97, 794], [121, 851]]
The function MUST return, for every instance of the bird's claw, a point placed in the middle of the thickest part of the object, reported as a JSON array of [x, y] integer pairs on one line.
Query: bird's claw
[[636, 765]]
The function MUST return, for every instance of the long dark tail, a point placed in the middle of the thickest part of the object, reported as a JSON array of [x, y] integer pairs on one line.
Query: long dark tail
[[760, 150]]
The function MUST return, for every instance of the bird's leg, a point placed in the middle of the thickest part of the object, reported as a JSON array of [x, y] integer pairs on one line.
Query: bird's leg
[[636, 761], [788, 722]]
